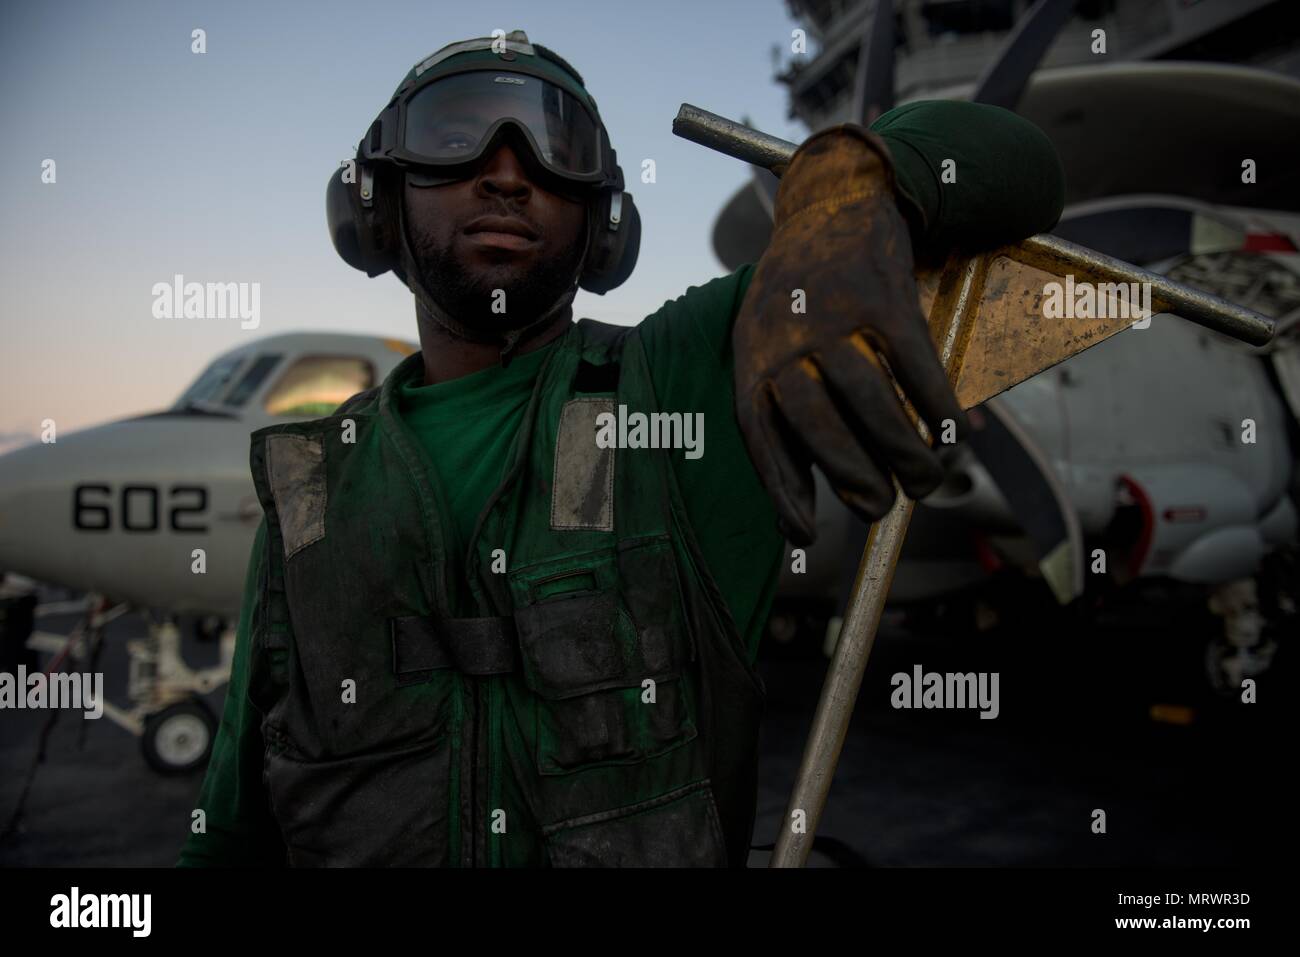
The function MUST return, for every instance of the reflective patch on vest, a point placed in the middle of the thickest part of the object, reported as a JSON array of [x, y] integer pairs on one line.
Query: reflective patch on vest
[[582, 488], [295, 466]]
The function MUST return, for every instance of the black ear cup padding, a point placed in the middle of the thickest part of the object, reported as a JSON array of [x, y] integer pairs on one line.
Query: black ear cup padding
[[360, 236], [614, 255], [341, 220]]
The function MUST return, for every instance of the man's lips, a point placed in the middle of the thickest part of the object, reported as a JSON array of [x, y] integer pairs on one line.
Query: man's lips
[[503, 231]]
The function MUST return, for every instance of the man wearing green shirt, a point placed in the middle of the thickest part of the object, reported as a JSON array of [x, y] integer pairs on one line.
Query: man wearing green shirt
[[487, 622]]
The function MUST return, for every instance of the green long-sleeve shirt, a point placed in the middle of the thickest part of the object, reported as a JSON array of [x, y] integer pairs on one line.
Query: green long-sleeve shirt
[[1008, 184]]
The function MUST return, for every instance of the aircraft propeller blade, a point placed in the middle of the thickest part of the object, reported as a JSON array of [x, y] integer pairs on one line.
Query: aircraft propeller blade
[[1008, 73], [873, 83], [1037, 498]]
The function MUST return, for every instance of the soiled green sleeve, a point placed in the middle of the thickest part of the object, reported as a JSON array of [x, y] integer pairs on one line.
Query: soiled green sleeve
[[972, 176], [1008, 185], [240, 831]]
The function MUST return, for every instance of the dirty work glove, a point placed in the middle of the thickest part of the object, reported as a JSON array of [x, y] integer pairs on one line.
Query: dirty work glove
[[811, 386]]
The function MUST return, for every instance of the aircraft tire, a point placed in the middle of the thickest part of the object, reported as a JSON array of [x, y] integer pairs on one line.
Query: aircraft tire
[[178, 739]]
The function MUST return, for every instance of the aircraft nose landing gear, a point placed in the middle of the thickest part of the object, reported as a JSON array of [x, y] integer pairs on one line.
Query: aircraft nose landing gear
[[176, 727], [174, 724]]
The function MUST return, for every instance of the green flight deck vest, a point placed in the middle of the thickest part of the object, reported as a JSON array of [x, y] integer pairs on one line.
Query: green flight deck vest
[[568, 688]]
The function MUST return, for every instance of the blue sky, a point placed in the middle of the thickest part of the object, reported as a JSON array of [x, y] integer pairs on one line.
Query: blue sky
[[214, 166]]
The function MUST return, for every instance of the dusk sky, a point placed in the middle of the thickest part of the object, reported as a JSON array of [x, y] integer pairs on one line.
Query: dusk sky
[[214, 166]]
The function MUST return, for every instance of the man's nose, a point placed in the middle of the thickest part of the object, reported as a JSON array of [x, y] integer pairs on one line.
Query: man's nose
[[503, 173]]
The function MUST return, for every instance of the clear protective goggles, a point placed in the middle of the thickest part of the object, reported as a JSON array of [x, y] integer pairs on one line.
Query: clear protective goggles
[[448, 124]]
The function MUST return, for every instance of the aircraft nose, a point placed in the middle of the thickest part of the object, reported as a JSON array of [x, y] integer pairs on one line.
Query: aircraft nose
[[118, 508], [59, 500]]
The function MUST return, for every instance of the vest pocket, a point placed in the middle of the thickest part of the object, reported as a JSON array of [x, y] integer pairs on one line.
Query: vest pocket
[[678, 829], [607, 687], [388, 808]]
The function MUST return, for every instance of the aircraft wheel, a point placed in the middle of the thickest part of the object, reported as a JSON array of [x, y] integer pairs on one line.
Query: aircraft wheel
[[179, 738]]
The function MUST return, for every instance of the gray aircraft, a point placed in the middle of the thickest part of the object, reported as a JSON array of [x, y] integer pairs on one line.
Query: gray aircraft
[[158, 511]]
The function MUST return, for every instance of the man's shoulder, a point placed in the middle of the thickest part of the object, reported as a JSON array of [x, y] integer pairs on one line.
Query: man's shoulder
[[360, 402], [696, 324], [606, 333], [366, 401], [719, 293]]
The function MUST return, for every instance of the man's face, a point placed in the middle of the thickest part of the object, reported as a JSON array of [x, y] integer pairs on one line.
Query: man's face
[[460, 236]]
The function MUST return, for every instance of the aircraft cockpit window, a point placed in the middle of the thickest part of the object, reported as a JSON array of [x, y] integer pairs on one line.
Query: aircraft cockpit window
[[212, 383], [316, 385], [252, 379]]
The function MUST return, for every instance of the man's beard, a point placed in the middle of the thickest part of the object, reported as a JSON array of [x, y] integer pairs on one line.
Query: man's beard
[[471, 297]]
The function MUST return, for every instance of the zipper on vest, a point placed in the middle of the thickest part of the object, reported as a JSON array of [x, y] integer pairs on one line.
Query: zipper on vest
[[480, 792], [468, 759]]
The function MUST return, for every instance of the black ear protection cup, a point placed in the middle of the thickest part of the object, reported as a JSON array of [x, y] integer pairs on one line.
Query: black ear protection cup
[[358, 226], [613, 252]]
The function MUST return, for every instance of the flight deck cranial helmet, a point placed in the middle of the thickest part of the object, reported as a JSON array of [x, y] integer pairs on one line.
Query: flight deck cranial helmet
[[448, 115]]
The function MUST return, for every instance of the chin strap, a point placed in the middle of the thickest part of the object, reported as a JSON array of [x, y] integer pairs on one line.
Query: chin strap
[[510, 339]]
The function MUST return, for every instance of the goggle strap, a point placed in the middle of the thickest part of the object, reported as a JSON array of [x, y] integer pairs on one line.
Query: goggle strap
[[388, 128], [516, 41]]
